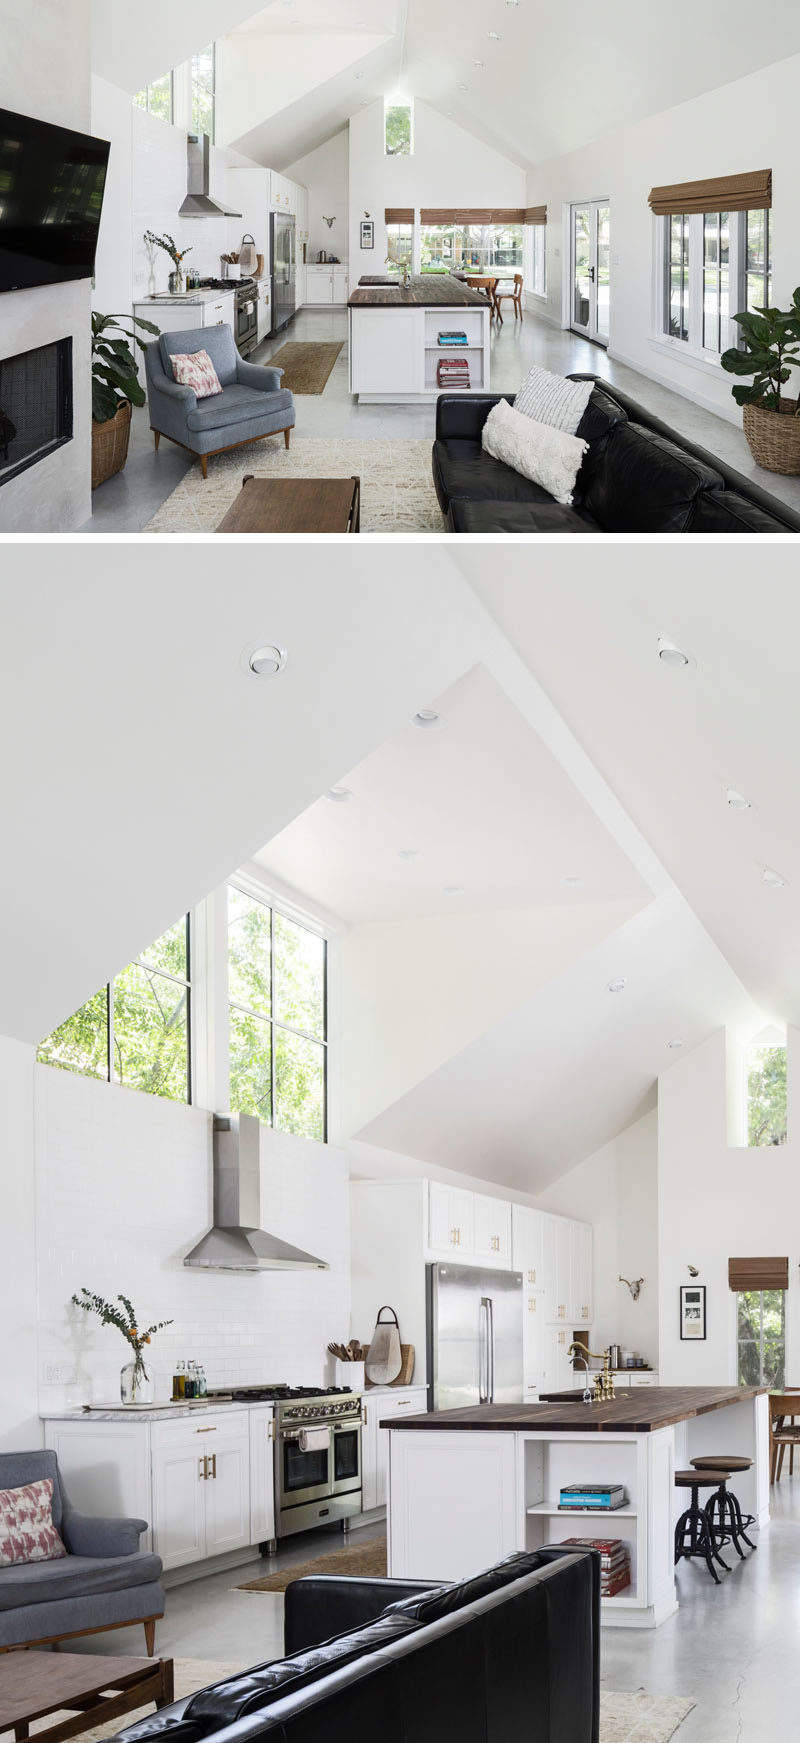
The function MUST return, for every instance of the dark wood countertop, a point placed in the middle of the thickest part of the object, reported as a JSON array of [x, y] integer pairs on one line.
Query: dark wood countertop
[[426, 291], [635, 1411]]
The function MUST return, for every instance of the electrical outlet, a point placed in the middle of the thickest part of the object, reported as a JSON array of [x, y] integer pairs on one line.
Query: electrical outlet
[[59, 1373]]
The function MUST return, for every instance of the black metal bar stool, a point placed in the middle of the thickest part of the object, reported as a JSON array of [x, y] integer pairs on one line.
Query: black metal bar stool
[[694, 1533], [723, 1509]]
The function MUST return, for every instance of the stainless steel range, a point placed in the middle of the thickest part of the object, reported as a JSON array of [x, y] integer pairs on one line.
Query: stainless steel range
[[317, 1454]]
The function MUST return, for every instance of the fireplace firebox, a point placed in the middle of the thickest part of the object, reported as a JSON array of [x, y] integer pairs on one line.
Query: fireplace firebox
[[35, 406]]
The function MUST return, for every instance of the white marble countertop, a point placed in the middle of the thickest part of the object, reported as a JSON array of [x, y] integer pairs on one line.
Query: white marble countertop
[[162, 1412], [190, 298]]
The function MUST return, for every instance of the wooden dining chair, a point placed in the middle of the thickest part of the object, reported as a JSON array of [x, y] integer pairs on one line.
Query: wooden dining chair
[[782, 1434], [514, 296]]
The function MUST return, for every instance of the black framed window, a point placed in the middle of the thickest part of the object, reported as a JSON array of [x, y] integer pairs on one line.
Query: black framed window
[[277, 1017]]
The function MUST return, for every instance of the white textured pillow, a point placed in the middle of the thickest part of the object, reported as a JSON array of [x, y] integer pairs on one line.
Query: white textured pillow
[[549, 457], [550, 399]]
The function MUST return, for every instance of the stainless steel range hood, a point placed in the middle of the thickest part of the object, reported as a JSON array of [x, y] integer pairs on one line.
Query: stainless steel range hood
[[236, 1243], [198, 202]]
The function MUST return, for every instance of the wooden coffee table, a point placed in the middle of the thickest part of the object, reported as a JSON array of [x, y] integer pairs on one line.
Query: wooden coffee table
[[88, 1685], [295, 505]]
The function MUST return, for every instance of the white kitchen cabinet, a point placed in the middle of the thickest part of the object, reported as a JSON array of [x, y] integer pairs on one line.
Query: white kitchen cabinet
[[451, 1217], [300, 287], [264, 309], [319, 284], [105, 1467], [559, 1374], [386, 351], [201, 1487], [532, 1342], [564, 1295], [492, 1231], [528, 1245], [455, 1504], [262, 1474], [173, 317], [583, 1311], [377, 1407], [339, 284]]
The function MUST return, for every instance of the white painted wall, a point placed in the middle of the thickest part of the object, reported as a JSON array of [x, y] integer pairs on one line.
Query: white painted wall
[[44, 71], [449, 167], [325, 173], [124, 1188], [19, 1424], [718, 1201], [747, 125], [616, 1191], [264, 74]]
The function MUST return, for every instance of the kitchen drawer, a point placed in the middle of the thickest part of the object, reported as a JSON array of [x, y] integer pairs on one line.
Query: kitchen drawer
[[217, 1426]]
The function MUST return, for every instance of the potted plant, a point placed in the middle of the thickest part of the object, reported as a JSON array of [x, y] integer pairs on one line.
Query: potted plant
[[176, 255], [115, 388], [135, 1383], [771, 421]]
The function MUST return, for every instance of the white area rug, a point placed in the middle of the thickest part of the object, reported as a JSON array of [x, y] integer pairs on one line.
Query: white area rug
[[637, 1718], [397, 494]]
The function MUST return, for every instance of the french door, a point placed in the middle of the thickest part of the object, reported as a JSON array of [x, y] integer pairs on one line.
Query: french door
[[590, 269]]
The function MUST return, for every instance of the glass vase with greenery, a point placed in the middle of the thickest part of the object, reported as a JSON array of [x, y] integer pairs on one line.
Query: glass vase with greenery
[[134, 1378], [176, 254]]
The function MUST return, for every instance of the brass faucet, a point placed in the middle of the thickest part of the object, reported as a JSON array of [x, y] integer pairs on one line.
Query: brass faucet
[[603, 1383]]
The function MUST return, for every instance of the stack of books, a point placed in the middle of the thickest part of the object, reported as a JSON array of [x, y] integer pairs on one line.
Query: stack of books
[[591, 1497], [452, 372], [452, 338], [615, 1561]]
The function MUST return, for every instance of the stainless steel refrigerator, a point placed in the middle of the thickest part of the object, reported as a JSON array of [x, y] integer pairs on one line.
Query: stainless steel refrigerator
[[283, 273], [474, 1335]]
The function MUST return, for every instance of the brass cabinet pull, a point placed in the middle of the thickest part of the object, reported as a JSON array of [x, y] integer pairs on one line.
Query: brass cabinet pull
[[531, 1303], [206, 1430], [531, 1276], [203, 1471], [214, 1466], [271, 1429], [364, 1414]]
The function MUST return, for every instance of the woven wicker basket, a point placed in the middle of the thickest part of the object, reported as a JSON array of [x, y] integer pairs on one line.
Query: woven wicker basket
[[774, 437], [110, 445]]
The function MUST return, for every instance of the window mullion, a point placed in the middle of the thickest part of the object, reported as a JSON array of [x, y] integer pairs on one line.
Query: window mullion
[[696, 272]]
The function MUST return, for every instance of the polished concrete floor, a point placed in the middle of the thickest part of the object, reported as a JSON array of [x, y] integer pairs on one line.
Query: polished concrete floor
[[126, 503], [734, 1647]]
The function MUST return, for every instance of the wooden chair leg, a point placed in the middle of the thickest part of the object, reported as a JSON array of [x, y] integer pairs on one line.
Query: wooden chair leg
[[156, 438], [781, 1452], [204, 464], [791, 1461], [150, 1636], [286, 435]]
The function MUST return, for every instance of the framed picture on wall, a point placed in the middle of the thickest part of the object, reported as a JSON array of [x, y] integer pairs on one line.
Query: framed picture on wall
[[367, 233], [693, 1312]]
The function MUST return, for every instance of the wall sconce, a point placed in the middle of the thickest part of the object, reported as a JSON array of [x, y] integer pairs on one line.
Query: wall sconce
[[693, 1271], [634, 1287]]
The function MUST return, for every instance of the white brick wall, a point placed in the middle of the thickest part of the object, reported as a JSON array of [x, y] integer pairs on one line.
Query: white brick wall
[[123, 1191]]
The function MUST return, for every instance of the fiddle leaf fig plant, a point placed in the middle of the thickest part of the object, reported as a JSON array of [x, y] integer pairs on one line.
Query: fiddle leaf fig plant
[[771, 345], [115, 372]]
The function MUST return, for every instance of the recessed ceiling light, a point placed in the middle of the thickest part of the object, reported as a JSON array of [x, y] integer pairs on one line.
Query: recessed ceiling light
[[267, 662], [773, 878], [512, 2], [494, 36], [463, 87], [675, 1042], [571, 879], [671, 654], [338, 795], [479, 63], [359, 75], [426, 718], [618, 986], [409, 853], [736, 801], [453, 890]]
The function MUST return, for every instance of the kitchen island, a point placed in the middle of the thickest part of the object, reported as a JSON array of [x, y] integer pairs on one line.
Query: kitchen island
[[394, 337], [467, 1487]]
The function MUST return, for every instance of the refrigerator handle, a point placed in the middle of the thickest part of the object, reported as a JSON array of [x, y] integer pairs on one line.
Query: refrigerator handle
[[484, 1382], [490, 1346]]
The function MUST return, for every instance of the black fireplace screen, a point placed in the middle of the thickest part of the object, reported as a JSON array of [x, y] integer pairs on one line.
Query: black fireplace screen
[[35, 406]]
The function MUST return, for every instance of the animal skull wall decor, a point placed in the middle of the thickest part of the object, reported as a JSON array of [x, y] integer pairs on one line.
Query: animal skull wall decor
[[634, 1287], [328, 221]]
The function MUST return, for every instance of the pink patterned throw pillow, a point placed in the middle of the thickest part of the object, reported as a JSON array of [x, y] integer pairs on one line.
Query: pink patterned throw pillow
[[195, 369], [27, 1532]]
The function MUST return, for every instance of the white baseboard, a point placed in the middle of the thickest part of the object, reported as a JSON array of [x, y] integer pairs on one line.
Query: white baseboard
[[730, 416], [213, 1564]]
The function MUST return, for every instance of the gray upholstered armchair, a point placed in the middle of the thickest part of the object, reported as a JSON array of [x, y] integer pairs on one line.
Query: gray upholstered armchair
[[104, 1581], [252, 403]]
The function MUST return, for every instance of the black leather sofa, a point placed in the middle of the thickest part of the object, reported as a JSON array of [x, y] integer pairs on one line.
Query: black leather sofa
[[510, 1656], [638, 476]]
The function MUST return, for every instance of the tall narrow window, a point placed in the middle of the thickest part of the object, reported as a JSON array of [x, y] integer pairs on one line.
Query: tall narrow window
[[399, 246], [157, 98], [717, 335], [137, 1030], [759, 261], [277, 1017], [398, 127], [716, 265], [203, 79], [539, 264], [678, 276], [766, 1094], [761, 1337]]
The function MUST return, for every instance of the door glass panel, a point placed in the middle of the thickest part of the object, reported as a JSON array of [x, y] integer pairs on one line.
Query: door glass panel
[[303, 1470], [603, 270], [581, 248]]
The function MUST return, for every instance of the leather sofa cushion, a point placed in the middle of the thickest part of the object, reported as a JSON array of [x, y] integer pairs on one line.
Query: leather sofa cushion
[[642, 483], [465, 470], [516, 517], [431, 1606], [224, 1702], [236, 405], [725, 511], [602, 414], [76, 1576]]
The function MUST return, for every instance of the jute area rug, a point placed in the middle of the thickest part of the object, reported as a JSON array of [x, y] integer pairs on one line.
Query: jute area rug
[[306, 366], [397, 493], [634, 1718], [363, 1561]]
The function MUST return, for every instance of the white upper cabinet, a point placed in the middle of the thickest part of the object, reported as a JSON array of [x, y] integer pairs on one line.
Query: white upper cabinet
[[451, 1221], [533, 1329], [492, 1231], [528, 1245], [582, 1273]]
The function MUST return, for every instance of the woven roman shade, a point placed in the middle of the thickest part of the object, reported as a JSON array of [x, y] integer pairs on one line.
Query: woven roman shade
[[399, 215], [758, 1274], [472, 215], [535, 214], [742, 193]]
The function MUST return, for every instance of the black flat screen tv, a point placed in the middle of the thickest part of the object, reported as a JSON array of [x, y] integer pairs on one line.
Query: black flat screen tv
[[51, 195]]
